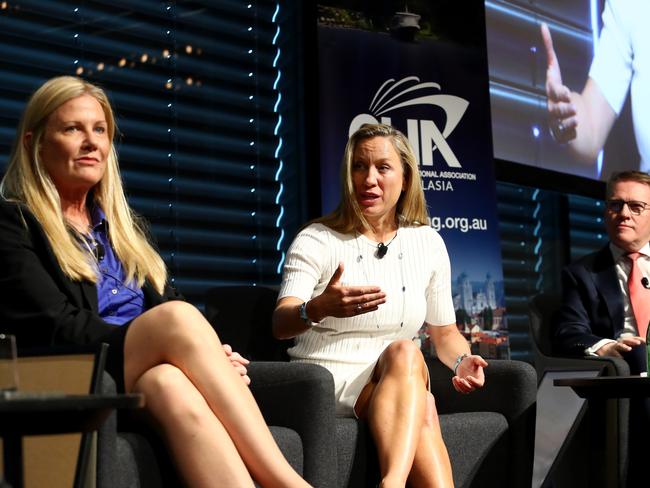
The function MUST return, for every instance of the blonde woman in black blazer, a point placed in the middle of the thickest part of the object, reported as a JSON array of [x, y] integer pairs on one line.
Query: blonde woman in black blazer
[[77, 268]]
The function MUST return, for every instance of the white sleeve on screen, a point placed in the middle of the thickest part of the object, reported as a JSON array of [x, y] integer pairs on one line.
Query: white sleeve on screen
[[440, 304], [612, 67]]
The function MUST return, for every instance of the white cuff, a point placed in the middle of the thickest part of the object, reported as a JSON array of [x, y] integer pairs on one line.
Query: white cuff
[[591, 351]]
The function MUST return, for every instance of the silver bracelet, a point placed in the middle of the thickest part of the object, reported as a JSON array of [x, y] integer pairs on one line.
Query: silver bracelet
[[459, 360]]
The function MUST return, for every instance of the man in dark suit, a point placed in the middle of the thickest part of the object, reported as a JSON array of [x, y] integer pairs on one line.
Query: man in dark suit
[[605, 293], [597, 317]]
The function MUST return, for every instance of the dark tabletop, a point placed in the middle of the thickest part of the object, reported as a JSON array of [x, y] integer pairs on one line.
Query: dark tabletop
[[608, 386], [56, 413]]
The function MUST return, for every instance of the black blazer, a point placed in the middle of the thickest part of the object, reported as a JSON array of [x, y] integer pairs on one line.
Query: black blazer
[[38, 303], [592, 309], [592, 304]]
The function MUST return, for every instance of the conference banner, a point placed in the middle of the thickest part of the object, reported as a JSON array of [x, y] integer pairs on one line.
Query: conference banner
[[396, 68]]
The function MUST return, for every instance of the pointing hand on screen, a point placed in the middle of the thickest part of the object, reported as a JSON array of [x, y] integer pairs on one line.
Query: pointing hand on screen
[[561, 110]]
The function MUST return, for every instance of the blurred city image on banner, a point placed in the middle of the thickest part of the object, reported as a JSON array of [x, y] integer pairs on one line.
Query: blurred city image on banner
[[422, 67]]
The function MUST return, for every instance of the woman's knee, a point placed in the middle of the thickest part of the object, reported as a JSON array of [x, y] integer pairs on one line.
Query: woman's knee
[[176, 312], [170, 393], [177, 321], [403, 354], [160, 383]]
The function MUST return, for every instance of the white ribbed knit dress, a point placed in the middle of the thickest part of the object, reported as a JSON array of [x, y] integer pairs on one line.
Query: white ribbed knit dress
[[414, 274]]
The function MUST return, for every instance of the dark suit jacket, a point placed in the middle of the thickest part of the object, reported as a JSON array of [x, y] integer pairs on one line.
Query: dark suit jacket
[[38, 303], [592, 308]]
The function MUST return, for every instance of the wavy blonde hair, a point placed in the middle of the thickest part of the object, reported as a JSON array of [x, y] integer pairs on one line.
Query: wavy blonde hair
[[28, 182], [411, 205]]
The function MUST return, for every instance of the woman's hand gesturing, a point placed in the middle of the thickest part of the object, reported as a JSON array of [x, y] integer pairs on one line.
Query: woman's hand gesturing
[[338, 300], [469, 374]]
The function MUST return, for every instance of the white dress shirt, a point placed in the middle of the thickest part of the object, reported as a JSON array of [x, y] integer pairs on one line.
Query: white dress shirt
[[623, 268]]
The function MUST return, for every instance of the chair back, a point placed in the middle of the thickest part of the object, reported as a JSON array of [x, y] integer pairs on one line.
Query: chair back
[[64, 460], [241, 316], [542, 309]]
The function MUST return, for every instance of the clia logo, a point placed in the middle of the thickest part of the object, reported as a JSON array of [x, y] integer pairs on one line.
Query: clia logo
[[424, 135]]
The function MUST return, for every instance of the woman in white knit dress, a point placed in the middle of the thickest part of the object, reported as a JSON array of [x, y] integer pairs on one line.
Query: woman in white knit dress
[[358, 284]]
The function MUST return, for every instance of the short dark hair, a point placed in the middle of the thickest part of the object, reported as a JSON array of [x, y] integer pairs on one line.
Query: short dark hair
[[638, 176]]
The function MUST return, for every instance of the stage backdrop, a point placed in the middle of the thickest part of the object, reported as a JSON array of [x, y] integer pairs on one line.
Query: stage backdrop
[[403, 69]]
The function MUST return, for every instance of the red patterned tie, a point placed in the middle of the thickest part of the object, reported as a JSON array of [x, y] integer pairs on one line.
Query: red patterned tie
[[639, 295]]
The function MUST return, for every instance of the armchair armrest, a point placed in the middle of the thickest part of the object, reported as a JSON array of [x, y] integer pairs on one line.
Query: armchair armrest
[[612, 366], [300, 396], [510, 388]]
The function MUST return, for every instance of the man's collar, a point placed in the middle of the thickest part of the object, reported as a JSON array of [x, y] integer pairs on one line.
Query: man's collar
[[617, 252]]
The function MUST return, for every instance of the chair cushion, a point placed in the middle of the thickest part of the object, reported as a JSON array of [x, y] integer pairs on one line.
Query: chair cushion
[[138, 465], [469, 438], [350, 452], [290, 444]]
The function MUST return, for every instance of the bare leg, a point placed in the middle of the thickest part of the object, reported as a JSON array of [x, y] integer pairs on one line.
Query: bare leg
[[185, 419], [431, 466], [393, 403], [176, 333]]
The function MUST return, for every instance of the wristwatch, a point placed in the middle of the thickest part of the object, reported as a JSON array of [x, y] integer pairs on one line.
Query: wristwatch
[[303, 314], [459, 360]]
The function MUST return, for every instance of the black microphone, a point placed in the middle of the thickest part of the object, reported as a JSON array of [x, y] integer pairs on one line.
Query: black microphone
[[646, 283], [100, 252], [382, 249]]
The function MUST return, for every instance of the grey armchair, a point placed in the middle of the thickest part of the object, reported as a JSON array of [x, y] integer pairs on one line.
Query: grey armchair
[[130, 454], [489, 434], [542, 309]]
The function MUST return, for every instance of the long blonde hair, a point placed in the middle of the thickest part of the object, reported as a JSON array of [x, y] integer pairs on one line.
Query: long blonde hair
[[411, 206], [28, 182]]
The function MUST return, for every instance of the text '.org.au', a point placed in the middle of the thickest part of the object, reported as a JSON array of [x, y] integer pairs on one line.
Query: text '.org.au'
[[463, 224]]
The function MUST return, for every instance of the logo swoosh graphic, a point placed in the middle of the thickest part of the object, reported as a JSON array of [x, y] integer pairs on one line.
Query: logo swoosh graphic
[[389, 90], [424, 135], [413, 88], [453, 106]]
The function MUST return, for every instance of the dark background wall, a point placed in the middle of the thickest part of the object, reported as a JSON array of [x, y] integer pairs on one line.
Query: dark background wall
[[217, 106]]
